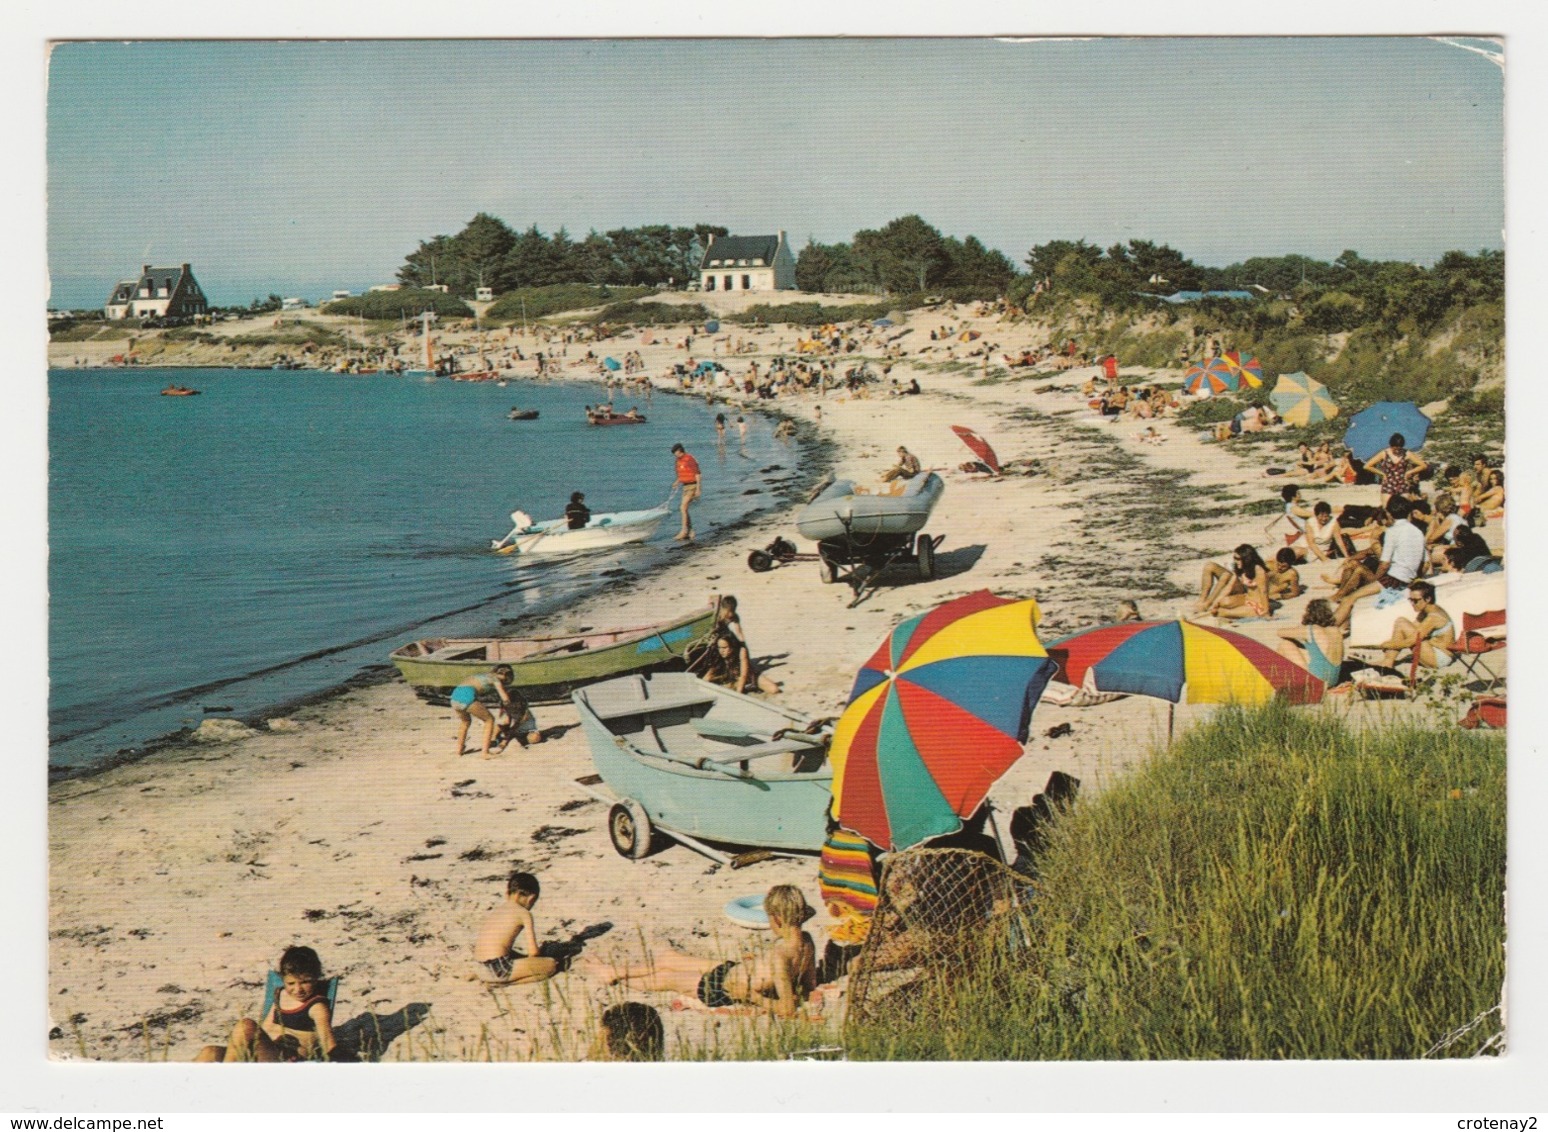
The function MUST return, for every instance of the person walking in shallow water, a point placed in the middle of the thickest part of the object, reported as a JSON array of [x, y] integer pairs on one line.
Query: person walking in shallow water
[[691, 483]]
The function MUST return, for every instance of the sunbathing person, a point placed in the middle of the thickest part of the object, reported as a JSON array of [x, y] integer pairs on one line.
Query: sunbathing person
[[1325, 539], [906, 468], [1284, 582], [1431, 636], [1316, 644], [1402, 557], [777, 979], [1241, 591], [298, 1026], [1491, 500], [1346, 469], [1296, 513], [496, 945]]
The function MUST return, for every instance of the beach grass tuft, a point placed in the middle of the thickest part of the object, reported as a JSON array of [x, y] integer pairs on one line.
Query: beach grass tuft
[[1275, 886]]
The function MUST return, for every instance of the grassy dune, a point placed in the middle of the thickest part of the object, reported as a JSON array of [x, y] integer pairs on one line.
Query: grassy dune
[[1276, 886]]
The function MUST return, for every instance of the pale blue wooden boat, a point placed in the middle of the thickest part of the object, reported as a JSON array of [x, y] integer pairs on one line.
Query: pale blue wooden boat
[[696, 761]]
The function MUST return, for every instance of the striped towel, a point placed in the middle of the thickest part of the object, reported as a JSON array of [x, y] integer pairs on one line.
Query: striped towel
[[844, 876]]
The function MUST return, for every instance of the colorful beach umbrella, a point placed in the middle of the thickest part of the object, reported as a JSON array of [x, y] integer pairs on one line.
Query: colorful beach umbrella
[[979, 447], [1246, 369], [1302, 400], [1177, 661], [936, 716], [1370, 429], [611, 363], [1210, 378]]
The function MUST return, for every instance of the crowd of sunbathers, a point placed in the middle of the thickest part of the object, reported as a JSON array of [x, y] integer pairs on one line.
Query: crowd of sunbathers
[[1384, 552], [297, 1020]]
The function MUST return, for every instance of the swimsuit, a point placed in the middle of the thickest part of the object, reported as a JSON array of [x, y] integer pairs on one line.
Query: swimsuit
[[503, 965], [712, 987], [1318, 664], [464, 694], [299, 1019], [1394, 472]]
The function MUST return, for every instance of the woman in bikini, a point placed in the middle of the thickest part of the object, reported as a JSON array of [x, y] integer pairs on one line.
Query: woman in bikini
[[298, 1027], [1241, 591], [778, 979]]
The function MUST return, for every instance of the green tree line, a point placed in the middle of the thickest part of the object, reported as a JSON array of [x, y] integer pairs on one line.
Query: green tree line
[[908, 255], [488, 253]]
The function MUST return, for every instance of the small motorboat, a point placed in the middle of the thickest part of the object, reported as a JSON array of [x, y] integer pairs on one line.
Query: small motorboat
[[677, 754], [522, 414], [547, 669], [179, 391], [631, 417], [556, 536]]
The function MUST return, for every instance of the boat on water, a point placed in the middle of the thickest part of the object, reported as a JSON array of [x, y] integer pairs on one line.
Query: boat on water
[[693, 760], [179, 391], [845, 509], [547, 669], [631, 417], [522, 414], [1457, 594], [556, 536]]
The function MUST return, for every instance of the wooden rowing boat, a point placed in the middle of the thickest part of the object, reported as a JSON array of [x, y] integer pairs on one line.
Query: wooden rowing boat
[[700, 761], [547, 669]]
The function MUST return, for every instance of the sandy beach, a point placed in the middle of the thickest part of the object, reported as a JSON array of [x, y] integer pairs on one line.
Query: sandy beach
[[176, 880]]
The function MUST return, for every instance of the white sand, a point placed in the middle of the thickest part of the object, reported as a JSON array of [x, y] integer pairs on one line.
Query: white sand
[[176, 881]]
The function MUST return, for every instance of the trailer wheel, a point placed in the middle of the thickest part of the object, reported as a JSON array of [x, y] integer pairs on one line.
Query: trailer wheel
[[828, 569], [760, 562], [924, 550], [630, 829]]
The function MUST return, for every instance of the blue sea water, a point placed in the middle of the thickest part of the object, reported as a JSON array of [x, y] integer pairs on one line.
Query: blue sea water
[[283, 531]]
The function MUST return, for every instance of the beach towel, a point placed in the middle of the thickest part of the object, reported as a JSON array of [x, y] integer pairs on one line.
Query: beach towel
[[847, 884]]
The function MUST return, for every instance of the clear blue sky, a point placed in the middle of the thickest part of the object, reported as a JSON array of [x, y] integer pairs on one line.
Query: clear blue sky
[[300, 167]]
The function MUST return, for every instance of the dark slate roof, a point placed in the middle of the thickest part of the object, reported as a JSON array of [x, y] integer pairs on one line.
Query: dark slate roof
[[742, 247]]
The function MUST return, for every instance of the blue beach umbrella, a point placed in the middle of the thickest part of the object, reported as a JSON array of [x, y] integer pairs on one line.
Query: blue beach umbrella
[[611, 363], [711, 326], [1370, 429]]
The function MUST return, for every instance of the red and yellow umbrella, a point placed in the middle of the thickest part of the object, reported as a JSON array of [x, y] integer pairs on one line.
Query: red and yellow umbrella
[[936, 716], [1245, 368]]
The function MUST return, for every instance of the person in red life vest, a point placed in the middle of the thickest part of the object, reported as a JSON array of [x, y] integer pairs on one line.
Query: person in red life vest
[[689, 479]]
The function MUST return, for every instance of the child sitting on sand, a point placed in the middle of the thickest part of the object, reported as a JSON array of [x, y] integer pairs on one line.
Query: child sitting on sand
[[778, 979], [495, 947], [630, 1031], [298, 1027]]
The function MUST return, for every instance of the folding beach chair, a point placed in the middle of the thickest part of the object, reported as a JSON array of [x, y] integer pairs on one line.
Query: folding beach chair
[[1482, 633], [1487, 711], [276, 982]]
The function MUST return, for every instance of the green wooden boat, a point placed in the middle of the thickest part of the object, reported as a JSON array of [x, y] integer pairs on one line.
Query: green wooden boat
[[548, 669]]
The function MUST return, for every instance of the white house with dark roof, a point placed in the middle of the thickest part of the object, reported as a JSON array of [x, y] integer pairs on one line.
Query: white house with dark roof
[[748, 263], [159, 292]]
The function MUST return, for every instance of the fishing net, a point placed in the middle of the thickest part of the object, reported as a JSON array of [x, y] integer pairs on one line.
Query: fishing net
[[939, 914]]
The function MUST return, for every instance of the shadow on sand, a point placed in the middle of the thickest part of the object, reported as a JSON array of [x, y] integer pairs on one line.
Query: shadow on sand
[[565, 952], [367, 1036]]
